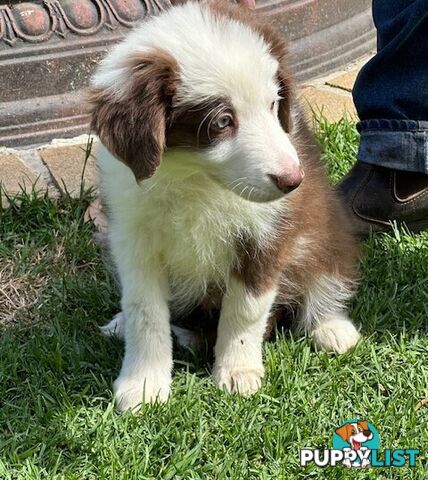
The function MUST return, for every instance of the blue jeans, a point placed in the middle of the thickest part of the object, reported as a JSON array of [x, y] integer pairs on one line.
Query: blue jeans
[[391, 91]]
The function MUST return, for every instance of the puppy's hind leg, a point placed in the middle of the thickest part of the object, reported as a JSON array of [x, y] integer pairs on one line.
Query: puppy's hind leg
[[335, 333], [116, 327], [324, 315], [185, 338]]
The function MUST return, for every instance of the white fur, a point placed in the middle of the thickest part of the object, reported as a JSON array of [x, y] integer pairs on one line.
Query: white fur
[[216, 55], [184, 219], [170, 238], [336, 333], [147, 364], [185, 338], [238, 363], [116, 327], [323, 315], [326, 296]]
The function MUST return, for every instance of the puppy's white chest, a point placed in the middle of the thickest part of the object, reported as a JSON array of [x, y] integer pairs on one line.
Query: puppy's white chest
[[195, 230], [188, 225], [195, 226]]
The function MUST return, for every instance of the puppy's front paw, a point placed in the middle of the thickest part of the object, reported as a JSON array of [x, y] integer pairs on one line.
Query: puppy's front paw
[[244, 381], [335, 334], [130, 393]]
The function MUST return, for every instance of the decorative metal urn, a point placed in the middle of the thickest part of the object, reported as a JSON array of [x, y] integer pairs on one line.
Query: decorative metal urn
[[49, 49]]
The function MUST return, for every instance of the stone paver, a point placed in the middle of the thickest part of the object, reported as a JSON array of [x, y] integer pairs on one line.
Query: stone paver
[[333, 104], [344, 81], [15, 176], [66, 164]]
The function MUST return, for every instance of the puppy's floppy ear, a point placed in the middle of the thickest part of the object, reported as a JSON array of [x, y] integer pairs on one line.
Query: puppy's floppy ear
[[130, 119], [344, 431]]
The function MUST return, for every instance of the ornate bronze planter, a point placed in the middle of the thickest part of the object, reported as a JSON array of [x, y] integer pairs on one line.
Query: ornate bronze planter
[[49, 49]]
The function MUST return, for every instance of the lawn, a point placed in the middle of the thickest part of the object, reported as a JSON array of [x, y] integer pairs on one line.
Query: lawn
[[57, 419]]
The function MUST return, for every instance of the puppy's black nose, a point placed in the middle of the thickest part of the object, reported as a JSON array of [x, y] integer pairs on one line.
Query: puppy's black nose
[[288, 181]]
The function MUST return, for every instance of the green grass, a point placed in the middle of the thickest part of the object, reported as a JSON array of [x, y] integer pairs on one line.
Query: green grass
[[57, 420]]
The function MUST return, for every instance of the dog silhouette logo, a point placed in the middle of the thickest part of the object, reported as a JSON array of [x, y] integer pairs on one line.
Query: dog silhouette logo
[[357, 438]]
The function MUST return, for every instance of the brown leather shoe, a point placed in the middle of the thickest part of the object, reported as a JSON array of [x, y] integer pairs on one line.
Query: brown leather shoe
[[377, 196]]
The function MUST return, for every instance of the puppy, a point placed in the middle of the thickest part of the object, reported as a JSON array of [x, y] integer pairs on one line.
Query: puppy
[[216, 197]]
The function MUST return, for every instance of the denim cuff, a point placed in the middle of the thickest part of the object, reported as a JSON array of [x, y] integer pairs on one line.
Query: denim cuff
[[397, 144]]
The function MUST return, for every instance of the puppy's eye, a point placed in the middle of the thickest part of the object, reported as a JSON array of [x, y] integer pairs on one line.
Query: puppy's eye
[[223, 121], [272, 106]]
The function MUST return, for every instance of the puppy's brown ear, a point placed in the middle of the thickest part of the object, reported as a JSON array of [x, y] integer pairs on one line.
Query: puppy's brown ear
[[131, 120], [344, 431]]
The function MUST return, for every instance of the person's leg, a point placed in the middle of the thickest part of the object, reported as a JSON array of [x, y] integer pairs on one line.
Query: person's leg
[[390, 179]]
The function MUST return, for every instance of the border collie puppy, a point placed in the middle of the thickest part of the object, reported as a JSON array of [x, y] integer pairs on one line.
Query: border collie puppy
[[216, 197]]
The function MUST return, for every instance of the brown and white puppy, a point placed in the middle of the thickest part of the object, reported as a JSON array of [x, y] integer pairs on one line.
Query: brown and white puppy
[[216, 196]]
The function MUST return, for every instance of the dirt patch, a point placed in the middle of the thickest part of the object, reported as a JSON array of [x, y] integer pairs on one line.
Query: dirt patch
[[18, 294]]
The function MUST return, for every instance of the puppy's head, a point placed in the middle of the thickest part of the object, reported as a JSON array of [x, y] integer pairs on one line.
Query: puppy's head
[[206, 80]]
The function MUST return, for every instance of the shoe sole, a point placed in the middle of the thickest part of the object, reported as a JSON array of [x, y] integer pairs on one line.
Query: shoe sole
[[365, 227]]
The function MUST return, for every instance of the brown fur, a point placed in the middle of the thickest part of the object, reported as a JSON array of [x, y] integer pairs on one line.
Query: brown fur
[[277, 47], [315, 212], [192, 126], [141, 110]]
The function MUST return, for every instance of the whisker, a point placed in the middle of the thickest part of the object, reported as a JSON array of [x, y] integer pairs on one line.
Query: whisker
[[236, 186], [243, 190], [149, 189], [237, 180]]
